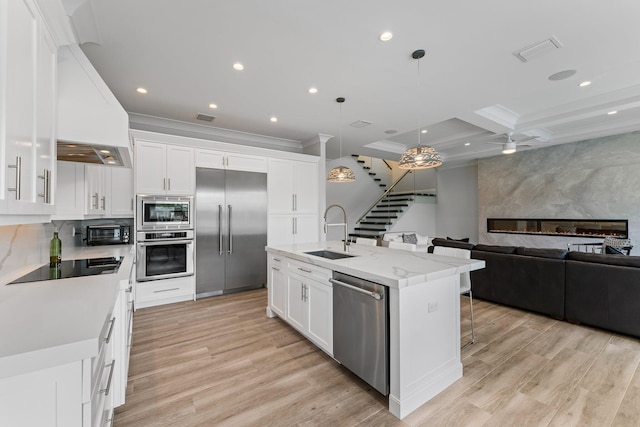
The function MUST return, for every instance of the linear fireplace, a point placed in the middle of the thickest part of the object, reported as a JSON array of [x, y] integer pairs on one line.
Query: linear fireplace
[[560, 227]]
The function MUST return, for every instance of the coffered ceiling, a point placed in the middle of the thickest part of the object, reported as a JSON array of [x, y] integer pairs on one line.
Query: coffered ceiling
[[471, 85]]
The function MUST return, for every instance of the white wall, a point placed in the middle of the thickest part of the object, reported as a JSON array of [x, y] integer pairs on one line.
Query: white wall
[[457, 203], [593, 179], [419, 218]]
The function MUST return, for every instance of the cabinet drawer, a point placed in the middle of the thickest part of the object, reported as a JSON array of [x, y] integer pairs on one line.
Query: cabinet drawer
[[161, 289], [310, 271]]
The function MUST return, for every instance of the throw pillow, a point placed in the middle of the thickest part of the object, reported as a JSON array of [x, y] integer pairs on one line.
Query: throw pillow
[[409, 238], [612, 251]]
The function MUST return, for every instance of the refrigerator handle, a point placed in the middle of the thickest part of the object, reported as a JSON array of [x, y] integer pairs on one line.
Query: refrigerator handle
[[220, 229], [230, 232]]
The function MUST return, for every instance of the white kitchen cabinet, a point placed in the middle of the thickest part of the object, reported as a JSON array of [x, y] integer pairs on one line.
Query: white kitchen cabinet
[[289, 229], [231, 161], [27, 119], [308, 298], [293, 187], [121, 193], [277, 281], [165, 291], [89, 191], [164, 169], [122, 341]]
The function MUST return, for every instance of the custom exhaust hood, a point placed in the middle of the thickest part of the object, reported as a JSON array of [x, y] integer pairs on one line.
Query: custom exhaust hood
[[92, 125]]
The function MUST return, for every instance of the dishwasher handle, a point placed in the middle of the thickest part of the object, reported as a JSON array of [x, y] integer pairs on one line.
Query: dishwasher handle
[[374, 295]]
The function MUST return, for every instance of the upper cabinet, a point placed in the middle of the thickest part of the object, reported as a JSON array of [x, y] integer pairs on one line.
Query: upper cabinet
[[293, 187], [27, 117], [232, 161], [164, 169]]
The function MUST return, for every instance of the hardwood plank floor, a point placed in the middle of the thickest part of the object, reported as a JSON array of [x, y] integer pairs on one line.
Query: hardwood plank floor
[[221, 362]]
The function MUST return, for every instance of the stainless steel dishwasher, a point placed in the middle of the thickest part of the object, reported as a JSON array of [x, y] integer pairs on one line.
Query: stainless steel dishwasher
[[361, 329]]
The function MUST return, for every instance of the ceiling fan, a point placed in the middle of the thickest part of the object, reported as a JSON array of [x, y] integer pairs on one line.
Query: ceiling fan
[[510, 145]]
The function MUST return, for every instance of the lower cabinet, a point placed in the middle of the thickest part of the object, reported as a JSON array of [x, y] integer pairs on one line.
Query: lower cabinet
[[165, 291], [302, 295]]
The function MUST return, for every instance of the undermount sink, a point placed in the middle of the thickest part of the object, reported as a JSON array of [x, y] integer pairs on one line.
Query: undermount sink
[[329, 254]]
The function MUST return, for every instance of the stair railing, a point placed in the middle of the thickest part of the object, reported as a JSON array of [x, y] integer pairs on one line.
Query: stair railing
[[387, 191]]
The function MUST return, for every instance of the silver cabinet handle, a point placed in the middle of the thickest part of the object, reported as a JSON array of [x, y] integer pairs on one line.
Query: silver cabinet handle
[[164, 184], [165, 290], [306, 289], [104, 203], [220, 229], [108, 338], [275, 268], [374, 295], [132, 204], [277, 259], [46, 186], [18, 168], [230, 230], [107, 390], [169, 184], [301, 291], [304, 269], [96, 197], [295, 202], [295, 228]]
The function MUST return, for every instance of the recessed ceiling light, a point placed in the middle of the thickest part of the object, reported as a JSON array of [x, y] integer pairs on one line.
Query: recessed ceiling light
[[611, 113], [424, 131], [313, 90], [386, 36], [213, 106], [105, 151], [273, 119], [467, 144], [585, 83], [238, 66], [141, 90]]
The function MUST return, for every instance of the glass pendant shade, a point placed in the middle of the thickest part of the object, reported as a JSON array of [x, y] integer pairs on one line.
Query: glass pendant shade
[[420, 157], [341, 174]]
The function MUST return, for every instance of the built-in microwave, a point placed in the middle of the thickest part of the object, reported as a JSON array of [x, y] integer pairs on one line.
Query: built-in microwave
[[108, 235], [164, 212]]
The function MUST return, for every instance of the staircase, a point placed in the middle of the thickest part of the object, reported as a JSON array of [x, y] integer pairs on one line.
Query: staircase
[[366, 163], [380, 219]]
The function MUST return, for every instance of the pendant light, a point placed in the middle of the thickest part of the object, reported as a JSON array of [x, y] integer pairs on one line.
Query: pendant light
[[341, 173], [420, 156]]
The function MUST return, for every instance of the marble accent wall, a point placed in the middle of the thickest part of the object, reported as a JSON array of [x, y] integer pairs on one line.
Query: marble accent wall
[[592, 179]]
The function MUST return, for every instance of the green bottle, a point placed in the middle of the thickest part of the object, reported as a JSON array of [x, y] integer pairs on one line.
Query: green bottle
[[55, 248]]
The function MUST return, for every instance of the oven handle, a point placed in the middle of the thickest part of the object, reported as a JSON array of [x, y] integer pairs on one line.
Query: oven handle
[[220, 229], [164, 242]]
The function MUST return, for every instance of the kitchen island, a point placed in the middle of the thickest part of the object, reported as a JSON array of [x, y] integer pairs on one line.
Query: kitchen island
[[423, 301]]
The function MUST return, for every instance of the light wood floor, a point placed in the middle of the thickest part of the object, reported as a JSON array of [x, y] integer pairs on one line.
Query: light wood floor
[[222, 362]]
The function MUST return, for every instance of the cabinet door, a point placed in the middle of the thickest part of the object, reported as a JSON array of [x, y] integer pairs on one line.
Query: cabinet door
[[96, 198], [70, 191], [305, 177], [209, 159], [306, 229], [45, 121], [245, 162], [280, 230], [320, 314], [18, 46], [150, 168], [121, 194], [278, 288], [280, 184], [180, 171], [295, 302]]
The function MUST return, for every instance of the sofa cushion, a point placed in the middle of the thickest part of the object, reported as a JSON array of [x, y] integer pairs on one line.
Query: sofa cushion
[[495, 248], [465, 240], [451, 243], [543, 252], [622, 261]]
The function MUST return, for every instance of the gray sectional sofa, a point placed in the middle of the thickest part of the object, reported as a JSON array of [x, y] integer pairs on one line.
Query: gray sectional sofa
[[592, 289]]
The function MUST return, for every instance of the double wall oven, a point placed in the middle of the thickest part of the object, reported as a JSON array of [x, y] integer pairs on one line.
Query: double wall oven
[[164, 237]]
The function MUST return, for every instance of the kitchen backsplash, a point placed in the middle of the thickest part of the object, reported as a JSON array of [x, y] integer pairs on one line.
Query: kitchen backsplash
[[28, 244]]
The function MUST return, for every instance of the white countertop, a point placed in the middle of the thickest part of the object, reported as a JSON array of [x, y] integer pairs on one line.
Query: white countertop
[[395, 268], [50, 323]]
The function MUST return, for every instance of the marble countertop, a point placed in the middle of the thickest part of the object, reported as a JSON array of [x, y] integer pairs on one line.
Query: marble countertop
[[395, 268], [50, 323]]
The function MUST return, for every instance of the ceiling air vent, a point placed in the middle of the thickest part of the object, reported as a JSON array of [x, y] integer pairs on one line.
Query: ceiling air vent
[[536, 49], [360, 124], [205, 117]]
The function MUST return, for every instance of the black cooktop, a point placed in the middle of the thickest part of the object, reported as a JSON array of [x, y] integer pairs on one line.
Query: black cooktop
[[72, 268]]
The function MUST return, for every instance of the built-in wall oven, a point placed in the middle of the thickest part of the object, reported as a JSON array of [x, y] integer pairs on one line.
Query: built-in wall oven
[[164, 254], [164, 213]]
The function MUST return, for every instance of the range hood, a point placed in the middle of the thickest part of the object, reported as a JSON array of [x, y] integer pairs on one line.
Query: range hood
[[92, 125]]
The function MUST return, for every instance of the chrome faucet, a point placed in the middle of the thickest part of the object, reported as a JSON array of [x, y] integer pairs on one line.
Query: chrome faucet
[[326, 226]]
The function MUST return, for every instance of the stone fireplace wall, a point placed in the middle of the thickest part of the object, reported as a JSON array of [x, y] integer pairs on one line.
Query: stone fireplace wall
[[593, 179]]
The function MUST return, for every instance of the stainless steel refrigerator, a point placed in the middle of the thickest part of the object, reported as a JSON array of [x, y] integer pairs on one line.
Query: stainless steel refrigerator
[[231, 231]]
